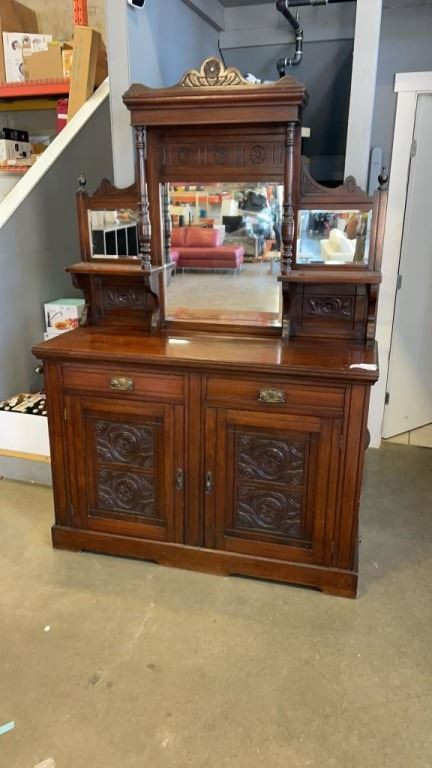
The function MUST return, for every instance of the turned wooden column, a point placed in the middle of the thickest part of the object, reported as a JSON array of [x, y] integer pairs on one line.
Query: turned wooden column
[[288, 221], [167, 222], [144, 229]]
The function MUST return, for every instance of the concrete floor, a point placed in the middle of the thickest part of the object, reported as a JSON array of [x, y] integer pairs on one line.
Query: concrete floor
[[255, 288], [146, 666]]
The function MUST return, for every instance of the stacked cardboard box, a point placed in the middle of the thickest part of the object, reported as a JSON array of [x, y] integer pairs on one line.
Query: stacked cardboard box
[[14, 17], [26, 55]]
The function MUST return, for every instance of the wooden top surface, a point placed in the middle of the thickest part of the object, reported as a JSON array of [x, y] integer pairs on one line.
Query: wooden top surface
[[333, 275], [299, 357]]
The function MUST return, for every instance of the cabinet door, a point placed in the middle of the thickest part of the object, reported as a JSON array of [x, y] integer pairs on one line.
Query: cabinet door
[[271, 483], [128, 466]]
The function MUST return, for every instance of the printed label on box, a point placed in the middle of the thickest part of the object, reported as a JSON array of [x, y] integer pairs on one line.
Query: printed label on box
[[15, 44]]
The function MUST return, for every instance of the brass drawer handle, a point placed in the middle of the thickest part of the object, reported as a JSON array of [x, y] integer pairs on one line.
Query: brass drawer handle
[[122, 384], [272, 396]]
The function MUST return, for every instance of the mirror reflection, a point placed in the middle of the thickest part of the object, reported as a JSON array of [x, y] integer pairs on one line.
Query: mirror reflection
[[225, 251], [333, 237], [114, 233]]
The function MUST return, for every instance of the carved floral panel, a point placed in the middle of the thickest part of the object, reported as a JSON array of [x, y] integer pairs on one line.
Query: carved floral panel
[[126, 492], [268, 511], [275, 460], [330, 306], [117, 297], [244, 154], [270, 475], [124, 444]]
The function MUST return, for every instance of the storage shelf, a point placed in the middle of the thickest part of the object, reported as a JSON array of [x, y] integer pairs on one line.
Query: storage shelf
[[35, 88], [27, 104], [16, 170]]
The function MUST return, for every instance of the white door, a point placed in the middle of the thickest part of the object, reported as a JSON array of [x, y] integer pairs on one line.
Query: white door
[[410, 369]]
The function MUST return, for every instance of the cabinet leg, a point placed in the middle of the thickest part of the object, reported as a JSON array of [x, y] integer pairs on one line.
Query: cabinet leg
[[342, 590]]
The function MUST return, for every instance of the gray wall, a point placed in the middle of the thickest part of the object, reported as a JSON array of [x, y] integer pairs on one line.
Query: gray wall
[[166, 39], [326, 72], [406, 46], [38, 242]]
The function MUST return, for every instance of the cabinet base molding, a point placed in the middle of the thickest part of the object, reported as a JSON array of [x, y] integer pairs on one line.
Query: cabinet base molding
[[331, 581]]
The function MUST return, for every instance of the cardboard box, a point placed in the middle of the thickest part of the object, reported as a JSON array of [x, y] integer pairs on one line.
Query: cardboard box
[[14, 46], [63, 315], [13, 150], [43, 65], [86, 45], [14, 16], [67, 60]]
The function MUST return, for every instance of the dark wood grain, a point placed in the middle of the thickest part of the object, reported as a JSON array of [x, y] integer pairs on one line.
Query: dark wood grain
[[298, 357], [230, 445]]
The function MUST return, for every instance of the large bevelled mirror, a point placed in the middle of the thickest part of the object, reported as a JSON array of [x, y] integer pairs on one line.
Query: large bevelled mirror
[[333, 237], [223, 241]]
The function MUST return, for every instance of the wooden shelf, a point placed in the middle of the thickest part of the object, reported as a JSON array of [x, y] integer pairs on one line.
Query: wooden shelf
[[113, 267], [332, 276], [34, 89], [16, 170], [27, 104]]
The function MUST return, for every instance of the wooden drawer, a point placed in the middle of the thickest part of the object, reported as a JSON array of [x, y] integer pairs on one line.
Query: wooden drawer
[[125, 382], [274, 394]]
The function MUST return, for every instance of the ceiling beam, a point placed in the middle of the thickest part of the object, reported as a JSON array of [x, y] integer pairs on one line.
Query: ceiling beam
[[211, 11]]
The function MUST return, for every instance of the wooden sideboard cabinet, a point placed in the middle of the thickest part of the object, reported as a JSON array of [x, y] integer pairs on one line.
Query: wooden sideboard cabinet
[[211, 413], [230, 467]]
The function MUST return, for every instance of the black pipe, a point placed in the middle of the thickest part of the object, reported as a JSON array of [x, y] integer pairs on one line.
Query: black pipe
[[297, 3], [282, 7]]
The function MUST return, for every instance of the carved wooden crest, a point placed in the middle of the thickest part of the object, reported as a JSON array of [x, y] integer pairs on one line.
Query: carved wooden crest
[[309, 186], [213, 74]]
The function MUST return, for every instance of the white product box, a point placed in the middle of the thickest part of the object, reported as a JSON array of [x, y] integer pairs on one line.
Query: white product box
[[13, 44], [23, 433], [63, 315], [14, 150], [54, 334]]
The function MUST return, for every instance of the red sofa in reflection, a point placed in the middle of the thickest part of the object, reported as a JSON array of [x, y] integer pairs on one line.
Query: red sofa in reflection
[[202, 249]]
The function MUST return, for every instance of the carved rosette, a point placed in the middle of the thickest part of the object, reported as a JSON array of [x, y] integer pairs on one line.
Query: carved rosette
[[126, 492], [275, 460], [269, 511], [258, 154], [213, 74], [124, 443]]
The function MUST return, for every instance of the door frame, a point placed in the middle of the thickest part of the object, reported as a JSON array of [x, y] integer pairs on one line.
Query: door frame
[[408, 86]]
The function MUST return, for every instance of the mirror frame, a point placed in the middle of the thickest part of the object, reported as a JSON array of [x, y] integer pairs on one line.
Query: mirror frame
[[107, 197], [347, 196], [260, 320]]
